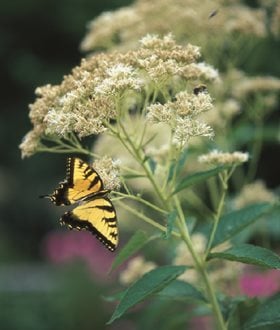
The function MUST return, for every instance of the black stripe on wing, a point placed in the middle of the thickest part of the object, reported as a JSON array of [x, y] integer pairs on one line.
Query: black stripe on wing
[[74, 222]]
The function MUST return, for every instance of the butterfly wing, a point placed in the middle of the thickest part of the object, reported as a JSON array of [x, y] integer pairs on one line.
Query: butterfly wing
[[97, 216], [81, 181]]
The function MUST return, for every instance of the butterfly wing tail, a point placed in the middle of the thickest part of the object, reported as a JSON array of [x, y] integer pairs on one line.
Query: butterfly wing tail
[[73, 221]]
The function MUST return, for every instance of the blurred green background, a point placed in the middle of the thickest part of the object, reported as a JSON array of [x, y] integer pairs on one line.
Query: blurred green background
[[39, 44]]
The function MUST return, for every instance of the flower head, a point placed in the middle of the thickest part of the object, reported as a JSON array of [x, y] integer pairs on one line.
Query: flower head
[[185, 18], [109, 172], [136, 267], [255, 85], [31, 141], [106, 87], [216, 157], [253, 193], [260, 284], [181, 115], [184, 257], [119, 78], [187, 128]]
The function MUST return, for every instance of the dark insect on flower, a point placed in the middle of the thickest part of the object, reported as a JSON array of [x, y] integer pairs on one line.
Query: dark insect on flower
[[213, 13], [200, 89]]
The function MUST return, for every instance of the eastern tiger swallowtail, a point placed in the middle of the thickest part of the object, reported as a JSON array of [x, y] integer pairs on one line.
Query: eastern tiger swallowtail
[[95, 211]]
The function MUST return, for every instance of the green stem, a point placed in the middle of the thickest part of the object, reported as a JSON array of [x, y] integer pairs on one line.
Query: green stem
[[256, 151], [200, 267], [147, 219], [213, 192], [224, 180], [136, 154], [69, 144], [213, 300], [63, 151], [141, 200]]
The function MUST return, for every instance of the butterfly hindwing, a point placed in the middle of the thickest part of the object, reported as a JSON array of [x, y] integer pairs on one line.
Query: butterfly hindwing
[[97, 216], [95, 211], [81, 181]]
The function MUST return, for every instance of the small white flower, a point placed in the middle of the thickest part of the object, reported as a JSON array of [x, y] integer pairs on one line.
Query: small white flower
[[120, 78], [217, 157], [188, 127]]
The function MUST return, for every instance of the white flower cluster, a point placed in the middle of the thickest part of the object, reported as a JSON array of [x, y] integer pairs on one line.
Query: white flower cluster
[[217, 157], [182, 116]]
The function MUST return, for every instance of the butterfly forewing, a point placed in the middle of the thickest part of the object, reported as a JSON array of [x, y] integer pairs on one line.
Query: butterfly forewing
[[96, 212], [81, 181], [99, 217]]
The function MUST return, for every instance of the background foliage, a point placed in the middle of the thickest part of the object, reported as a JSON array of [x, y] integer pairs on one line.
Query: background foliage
[[39, 43]]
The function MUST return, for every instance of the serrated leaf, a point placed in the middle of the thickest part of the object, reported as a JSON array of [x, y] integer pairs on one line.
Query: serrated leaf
[[249, 254], [196, 178], [136, 242], [233, 222], [150, 283], [181, 290], [267, 315]]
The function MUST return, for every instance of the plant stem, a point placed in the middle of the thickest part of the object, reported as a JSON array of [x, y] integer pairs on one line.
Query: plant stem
[[256, 151], [136, 154], [218, 214], [143, 201], [147, 219], [63, 151], [213, 300], [200, 267]]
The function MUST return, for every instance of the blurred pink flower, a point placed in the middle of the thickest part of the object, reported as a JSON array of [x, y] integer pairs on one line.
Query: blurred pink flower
[[260, 284], [61, 247], [201, 323]]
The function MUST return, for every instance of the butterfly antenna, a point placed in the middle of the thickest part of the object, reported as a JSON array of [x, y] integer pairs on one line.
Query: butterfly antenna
[[44, 196]]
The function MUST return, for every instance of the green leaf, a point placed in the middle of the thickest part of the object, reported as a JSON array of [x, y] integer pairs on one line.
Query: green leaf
[[182, 159], [114, 297], [249, 254], [232, 223], [150, 283], [177, 165], [136, 242], [241, 310], [267, 315], [170, 224], [196, 178], [181, 290], [152, 164], [246, 133]]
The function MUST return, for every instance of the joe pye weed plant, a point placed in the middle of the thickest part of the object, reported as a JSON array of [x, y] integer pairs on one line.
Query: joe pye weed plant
[[145, 109]]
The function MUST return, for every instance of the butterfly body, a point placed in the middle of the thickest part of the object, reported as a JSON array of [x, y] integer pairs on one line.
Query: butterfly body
[[95, 212]]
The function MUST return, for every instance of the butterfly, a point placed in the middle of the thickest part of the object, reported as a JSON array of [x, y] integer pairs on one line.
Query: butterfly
[[95, 212]]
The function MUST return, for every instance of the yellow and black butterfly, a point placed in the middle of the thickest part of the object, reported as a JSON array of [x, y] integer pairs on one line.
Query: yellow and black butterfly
[[95, 211]]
